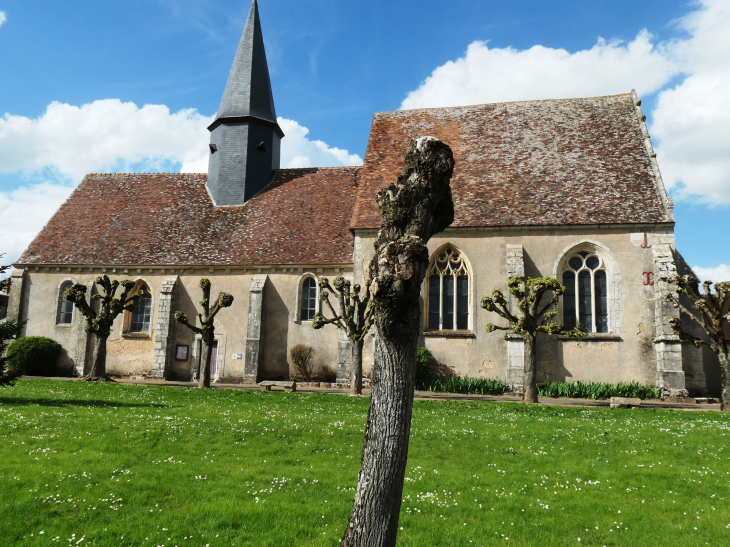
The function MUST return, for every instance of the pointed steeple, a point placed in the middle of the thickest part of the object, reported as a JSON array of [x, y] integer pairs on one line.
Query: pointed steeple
[[245, 136], [248, 90]]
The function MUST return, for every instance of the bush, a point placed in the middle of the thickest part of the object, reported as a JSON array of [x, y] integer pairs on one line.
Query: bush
[[33, 355], [302, 356], [596, 390], [477, 386], [424, 358]]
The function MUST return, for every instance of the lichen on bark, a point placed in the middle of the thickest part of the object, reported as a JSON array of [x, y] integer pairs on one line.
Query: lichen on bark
[[414, 208]]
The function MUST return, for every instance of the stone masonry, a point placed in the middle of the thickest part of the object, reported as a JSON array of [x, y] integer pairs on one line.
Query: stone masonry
[[162, 360], [668, 348], [255, 332], [515, 344], [81, 356]]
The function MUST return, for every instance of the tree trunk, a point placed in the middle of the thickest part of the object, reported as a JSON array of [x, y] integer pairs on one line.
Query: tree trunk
[[724, 381], [98, 366], [530, 381], [206, 357], [356, 366], [374, 518], [413, 210]]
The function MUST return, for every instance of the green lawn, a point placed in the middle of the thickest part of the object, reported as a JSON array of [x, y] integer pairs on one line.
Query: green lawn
[[109, 464]]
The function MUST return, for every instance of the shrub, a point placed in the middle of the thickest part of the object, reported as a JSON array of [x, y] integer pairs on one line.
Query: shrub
[[596, 390], [456, 384], [424, 358], [328, 373], [33, 355], [302, 356]]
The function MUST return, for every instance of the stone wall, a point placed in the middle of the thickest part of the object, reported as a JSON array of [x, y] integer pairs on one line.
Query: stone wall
[[628, 352]]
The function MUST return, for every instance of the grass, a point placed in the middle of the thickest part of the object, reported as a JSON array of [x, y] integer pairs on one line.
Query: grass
[[87, 464]]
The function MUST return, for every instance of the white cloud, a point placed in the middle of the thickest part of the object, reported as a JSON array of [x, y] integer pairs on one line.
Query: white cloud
[[716, 274], [3, 18], [298, 151], [106, 135], [67, 142], [486, 75], [24, 211], [692, 120]]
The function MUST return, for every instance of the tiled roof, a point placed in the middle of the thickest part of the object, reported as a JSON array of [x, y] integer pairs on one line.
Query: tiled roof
[[553, 162], [168, 219]]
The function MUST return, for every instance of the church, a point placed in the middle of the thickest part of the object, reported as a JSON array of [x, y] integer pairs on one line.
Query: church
[[566, 188]]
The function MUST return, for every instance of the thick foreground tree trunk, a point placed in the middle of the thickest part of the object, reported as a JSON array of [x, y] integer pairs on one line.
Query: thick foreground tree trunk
[[356, 366], [206, 357], [530, 382], [413, 210], [724, 381], [98, 366]]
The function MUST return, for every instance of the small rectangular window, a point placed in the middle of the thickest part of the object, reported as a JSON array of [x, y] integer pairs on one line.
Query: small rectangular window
[[448, 304], [462, 302], [141, 315], [434, 291], [569, 300], [65, 312], [585, 300]]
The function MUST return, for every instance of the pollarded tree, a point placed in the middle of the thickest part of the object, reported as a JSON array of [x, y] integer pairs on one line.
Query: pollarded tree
[[534, 319], [711, 309], [100, 323], [206, 330], [9, 330], [415, 208], [354, 318]]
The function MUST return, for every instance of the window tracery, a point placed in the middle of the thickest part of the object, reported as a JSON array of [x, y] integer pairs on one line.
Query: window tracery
[[585, 299], [448, 291]]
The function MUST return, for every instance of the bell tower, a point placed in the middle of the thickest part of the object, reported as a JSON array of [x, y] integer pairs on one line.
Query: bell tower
[[245, 137]]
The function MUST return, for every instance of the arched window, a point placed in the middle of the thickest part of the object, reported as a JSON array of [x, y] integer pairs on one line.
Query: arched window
[[141, 314], [65, 307], [586, 292], [448, 291], [308, 302]]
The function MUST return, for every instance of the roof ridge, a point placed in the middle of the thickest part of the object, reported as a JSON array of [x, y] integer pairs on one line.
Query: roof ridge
[[499, 102]]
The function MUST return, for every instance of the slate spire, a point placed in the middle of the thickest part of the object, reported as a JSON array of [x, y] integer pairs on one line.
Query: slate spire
[[245, 136]]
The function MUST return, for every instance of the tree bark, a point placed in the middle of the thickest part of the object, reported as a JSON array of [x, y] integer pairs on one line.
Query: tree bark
[[356, 366], [206, 357], [724, 381], [413, 210], [374, 519], [98, 366], [530, 381]]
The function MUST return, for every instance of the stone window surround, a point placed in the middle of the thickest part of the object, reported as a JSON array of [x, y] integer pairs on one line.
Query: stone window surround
[[613, 277], [220, 357], [64, 281], [469, 332], [300, 286], [128, 314]]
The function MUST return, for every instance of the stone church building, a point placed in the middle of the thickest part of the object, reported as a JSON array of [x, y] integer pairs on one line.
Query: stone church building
[[568, 188]]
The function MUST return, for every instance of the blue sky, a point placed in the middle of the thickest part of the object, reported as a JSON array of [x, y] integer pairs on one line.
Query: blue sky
[[333, 64]]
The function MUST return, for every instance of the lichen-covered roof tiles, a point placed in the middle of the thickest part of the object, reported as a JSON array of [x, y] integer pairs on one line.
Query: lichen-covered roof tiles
[[302, 217], [553, 162]]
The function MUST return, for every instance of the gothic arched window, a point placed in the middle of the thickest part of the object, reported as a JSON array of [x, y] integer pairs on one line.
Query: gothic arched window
[[448, 291], [309, 299], [65, 307], [586, 292], [141, 315]]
